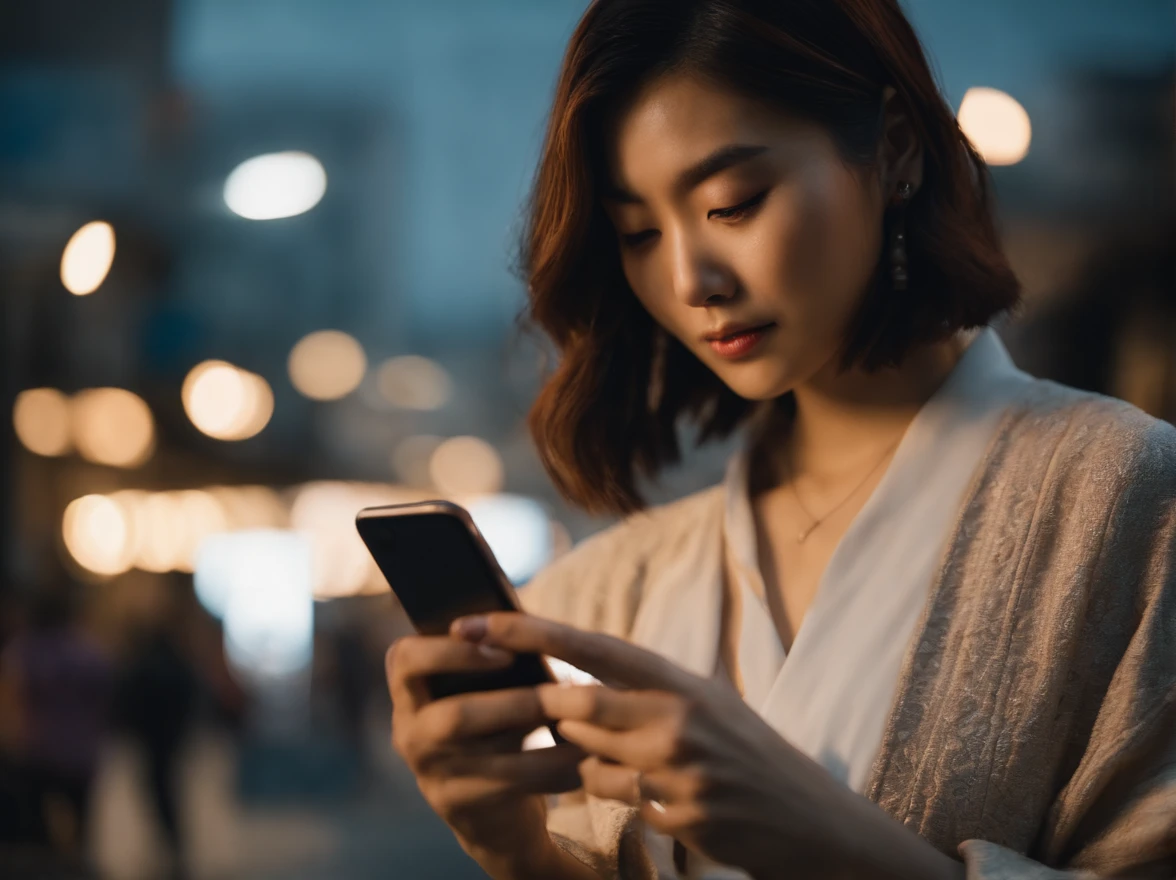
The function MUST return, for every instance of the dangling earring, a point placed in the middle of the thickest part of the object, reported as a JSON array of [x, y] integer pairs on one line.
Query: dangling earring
[[898, 253], [657, 369]]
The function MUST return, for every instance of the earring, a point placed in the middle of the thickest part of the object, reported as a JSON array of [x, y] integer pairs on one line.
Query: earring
[[898, 254]]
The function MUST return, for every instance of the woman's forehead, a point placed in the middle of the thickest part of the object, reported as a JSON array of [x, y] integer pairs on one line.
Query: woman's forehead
[[675, 124]]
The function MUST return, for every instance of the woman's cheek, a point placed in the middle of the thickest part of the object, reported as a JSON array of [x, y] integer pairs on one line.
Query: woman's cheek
[[828, 255], [661, 307]]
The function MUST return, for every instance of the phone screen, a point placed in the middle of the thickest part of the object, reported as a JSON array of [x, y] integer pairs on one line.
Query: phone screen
[[439, 572]]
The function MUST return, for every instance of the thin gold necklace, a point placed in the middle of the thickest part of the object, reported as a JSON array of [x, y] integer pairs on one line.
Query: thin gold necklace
[[800, 538]]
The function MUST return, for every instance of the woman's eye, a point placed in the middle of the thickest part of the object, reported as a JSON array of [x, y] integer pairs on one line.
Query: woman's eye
[[736, 212], [740, 210], [636, 238]]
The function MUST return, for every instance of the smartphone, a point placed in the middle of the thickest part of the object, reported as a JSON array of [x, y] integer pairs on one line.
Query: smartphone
[[441, 568]]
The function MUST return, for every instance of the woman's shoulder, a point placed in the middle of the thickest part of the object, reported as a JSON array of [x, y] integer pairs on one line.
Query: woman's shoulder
[[598, 583], [1094, 432]]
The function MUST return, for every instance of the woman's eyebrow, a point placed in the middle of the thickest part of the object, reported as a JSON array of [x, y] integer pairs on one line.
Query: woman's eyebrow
[[720, 160]]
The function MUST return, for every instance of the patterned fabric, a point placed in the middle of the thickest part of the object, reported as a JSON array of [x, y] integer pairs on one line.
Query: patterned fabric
[[1033, 734]]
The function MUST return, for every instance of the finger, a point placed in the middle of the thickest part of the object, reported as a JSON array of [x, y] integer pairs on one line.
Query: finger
[[604, 706], [624, 783], [542, 771], [606, 657], [608, 780], [506, 743], [474, 715], [389, 661], [596, 740], [413, 658], [648, 748]]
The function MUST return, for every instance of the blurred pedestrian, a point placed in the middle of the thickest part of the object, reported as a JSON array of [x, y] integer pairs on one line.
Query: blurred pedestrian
[[156, 702], [59, 681]]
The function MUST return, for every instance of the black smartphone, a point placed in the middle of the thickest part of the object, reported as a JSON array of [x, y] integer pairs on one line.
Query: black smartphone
[[441, 568]]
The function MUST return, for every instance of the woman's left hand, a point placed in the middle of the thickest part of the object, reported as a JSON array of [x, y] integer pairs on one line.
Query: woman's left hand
[[699, 762]]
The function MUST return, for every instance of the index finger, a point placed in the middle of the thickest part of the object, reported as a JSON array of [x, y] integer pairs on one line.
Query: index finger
[[412, 659], [606, 657]]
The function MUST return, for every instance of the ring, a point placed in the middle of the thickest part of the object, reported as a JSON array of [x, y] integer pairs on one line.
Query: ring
[[639, 783]]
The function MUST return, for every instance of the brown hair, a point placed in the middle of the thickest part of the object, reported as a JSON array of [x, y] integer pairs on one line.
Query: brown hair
[[596, 423]]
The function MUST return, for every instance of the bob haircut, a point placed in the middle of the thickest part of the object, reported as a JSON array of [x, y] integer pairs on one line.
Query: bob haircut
[[610, 410]]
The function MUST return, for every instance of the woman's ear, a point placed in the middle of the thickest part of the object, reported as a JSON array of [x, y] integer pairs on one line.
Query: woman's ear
[[900, 152]]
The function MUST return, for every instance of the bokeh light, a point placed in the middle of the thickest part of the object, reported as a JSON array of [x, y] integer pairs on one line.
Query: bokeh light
[[250, 507], [158, 529], [325, 512], [226, 402], [275, 185], [258, 581], [112, 426], [327, 365], [410, 459], [97, 534], [517, 529], [466, 466], [199, 516], [87, 257], [414, 382], [167, 529], [996, 124], [40, 417]]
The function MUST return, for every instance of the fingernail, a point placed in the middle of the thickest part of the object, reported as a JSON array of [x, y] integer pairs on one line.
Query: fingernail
[[492, 653], [472, 629]]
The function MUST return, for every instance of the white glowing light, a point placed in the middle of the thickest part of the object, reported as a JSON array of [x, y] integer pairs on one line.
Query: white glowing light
[[327, 365], [466, 466], [215, 573], [226, 402], [113, 426], [96, 534], [517, 530], [414, 382], [996, 124], [259, 581], [275, 185], [41, 419], [87, 258]]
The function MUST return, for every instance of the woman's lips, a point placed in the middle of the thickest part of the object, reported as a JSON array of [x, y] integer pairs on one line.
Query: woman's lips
[[739, 344]]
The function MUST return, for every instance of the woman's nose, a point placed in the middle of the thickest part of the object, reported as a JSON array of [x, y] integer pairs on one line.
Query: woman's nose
[[699, 278]]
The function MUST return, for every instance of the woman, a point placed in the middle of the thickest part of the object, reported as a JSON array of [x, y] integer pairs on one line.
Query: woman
[[925, 627]]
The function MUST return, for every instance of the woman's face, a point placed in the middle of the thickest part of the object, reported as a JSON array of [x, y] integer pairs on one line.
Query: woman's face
[[780, 240]]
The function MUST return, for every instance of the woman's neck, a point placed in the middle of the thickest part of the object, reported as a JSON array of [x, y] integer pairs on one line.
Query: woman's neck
[[841, 424]]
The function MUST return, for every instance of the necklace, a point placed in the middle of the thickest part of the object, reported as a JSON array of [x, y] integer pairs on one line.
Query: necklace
[[800, 538]]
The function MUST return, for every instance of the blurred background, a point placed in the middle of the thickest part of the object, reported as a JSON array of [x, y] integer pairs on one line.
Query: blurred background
[[254, 262]]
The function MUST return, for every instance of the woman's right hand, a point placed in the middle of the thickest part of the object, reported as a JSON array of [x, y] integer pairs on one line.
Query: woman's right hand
[[465, 751]]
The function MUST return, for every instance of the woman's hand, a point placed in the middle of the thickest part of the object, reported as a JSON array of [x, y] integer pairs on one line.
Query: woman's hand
[[702, 765], [465, 753]]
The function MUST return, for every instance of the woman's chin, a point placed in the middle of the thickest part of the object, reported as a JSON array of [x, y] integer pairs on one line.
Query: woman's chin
[[758, 385]]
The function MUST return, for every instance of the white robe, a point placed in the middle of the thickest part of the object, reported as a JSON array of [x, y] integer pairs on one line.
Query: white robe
[[1029, 732], [832, 694]]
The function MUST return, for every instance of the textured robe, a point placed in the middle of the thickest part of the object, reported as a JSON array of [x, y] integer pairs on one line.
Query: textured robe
[[1033, 732]]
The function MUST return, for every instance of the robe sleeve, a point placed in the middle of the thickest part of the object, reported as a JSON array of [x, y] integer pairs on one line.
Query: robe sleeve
[[1115, 817]]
